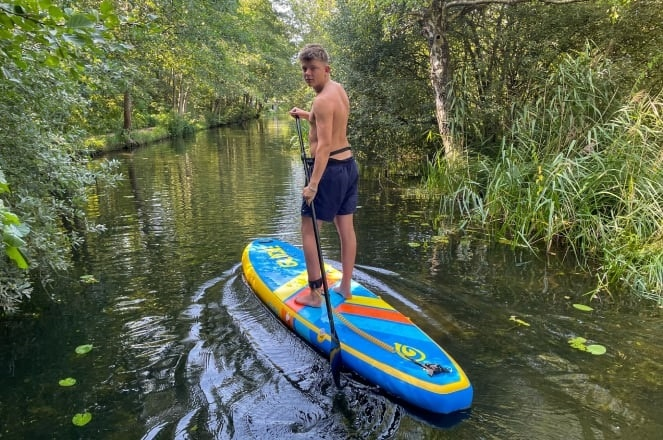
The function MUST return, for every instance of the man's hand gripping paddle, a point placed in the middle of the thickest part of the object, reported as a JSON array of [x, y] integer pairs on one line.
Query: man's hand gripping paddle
[[335, 351]]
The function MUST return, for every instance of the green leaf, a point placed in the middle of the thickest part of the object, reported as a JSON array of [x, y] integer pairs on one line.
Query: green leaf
[[518, 321], [88, 279], [578, 343], [20, 230], [13, 229], [439, 239], [79, 21], [68, 382], [596, 349], [106, 7], [55, 13], [9, 218], [583, 307], [81, 419], [84, 349], [413, 244], [11, 238], [4, 186], [52, 61], [15, 254]]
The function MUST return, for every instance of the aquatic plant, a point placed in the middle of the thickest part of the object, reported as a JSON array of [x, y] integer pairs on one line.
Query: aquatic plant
[[67, 382], [81, 419], [83, 349], [581, 174], [580, 343]]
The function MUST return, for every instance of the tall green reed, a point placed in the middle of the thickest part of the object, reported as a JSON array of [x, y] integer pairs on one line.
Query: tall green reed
[[579, 173]]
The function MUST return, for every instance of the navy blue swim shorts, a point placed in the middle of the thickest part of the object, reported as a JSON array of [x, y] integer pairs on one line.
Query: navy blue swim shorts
[[338, 191]]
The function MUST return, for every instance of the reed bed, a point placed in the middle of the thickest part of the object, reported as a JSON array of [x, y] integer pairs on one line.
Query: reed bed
[[579, 173]]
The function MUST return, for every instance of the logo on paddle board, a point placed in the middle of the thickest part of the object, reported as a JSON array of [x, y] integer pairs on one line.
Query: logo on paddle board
[[409, 353], [281, 257]]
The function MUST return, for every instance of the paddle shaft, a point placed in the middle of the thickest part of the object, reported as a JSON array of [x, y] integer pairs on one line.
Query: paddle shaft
[[316, 232]]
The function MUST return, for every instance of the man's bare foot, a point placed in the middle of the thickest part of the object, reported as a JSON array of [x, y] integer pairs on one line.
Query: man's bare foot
[[343, 294], [312, 299]]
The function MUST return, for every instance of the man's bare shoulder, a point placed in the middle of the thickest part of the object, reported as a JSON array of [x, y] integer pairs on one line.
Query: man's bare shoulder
[[322, 104], [334, 89], [331, 96]]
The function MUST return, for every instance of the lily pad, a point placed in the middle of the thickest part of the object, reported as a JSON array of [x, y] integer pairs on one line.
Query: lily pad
[[68, 382], [83, 349], [596, 349], [81, 419], [583, 307], [88, 279], [578, 342]]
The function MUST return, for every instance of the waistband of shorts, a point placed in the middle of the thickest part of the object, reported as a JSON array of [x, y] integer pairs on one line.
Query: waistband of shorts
[[331, 161]]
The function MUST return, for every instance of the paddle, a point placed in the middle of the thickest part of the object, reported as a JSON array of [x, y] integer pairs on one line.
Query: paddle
[[335, 351]]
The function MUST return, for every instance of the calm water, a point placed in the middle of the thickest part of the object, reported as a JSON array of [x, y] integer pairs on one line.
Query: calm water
[[184, 350]]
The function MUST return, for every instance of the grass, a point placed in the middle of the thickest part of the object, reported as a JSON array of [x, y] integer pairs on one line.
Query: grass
[[580, 174]]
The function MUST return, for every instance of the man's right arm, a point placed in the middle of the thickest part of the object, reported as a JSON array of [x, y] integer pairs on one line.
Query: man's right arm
[[299, 113]]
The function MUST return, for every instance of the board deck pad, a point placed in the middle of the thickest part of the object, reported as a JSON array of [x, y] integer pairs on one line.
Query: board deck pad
[[378, 342]]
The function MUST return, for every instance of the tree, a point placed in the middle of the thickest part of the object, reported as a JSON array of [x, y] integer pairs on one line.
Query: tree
[[381, 58], [69, 71], [436, 21], [44, 53]]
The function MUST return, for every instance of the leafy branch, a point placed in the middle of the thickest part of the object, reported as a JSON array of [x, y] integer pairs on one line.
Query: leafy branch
[[13, 230]]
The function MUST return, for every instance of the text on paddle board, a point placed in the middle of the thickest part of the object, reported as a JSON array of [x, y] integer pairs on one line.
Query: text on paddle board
[[281, 257]]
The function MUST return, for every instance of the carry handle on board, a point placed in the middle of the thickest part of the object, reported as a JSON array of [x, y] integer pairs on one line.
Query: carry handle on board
[[335, 360]]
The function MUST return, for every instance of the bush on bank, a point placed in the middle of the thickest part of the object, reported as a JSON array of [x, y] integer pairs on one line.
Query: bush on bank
[[581, 173]]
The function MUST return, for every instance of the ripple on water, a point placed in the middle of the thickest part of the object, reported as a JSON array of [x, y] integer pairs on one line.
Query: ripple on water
[[247, 376]]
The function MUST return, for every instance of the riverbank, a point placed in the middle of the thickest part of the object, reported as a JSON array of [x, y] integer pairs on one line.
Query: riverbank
[[168, 127], [101, 144]]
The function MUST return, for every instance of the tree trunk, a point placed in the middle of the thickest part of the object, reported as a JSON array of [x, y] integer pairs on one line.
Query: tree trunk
[[434, 22], [183, 98], [128, 105], [434, 25]]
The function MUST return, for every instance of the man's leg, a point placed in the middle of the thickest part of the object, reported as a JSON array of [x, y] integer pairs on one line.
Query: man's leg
[[346, 232], [310, 248]]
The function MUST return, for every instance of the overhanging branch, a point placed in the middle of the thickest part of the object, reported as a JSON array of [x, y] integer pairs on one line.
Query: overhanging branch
[[456, 3]]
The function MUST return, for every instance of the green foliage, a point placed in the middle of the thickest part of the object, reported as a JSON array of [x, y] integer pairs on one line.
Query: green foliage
[[384, 67], [81, 419], [177, 125], [208, 62], [13, 231], [69, 71], [581, 171], [43, 54], [83, 349], [14, 285], [580, 343], [67, 382]]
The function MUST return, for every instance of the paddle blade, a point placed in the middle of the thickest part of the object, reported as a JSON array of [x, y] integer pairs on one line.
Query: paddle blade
[[336, 361]]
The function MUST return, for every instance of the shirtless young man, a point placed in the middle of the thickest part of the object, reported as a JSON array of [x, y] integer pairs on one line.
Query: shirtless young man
[[333, 186]]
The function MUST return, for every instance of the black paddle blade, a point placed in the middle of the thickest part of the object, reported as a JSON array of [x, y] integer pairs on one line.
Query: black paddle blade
[[336, 361]]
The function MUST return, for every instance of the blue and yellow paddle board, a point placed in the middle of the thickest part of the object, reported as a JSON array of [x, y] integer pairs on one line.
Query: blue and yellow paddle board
[[378, 343]]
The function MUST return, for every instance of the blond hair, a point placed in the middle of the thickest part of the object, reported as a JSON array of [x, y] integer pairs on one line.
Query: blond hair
[[314, 52]]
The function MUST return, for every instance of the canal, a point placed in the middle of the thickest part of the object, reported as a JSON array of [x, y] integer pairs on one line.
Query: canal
[[183, 349]]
